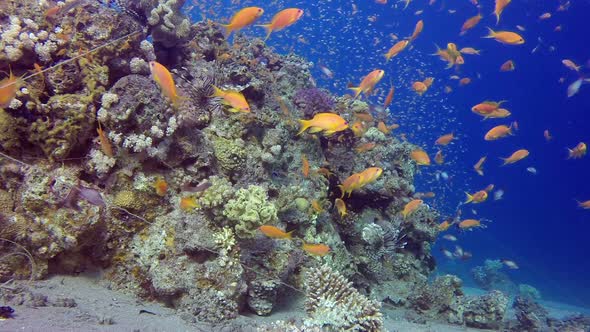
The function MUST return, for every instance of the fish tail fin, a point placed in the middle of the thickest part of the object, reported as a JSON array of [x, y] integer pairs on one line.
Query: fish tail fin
[[268, 28], [387, 57], [469, 198], [480, 172], [289, 235], [505, 161], [570, 153], [491, 33], [304, 125], [357, 91], [216, 91], [227, 29]]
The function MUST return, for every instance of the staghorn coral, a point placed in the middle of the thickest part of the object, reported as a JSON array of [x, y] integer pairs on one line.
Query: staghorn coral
[[334, 305], [250, 209]]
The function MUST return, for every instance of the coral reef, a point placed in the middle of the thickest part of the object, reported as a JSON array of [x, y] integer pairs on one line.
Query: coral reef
[[490, 277], [334, 305], [486, 311], [530, 315]]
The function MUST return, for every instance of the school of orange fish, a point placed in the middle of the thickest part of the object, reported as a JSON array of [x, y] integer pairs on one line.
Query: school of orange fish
[[330, 123]]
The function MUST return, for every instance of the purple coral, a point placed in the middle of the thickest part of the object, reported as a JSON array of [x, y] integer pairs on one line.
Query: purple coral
[[312, 101]]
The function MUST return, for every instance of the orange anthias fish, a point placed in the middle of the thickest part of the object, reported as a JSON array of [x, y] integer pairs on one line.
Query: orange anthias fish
[[316, 249], [411, 206], [350, 184], [386, 129], [478, 167], [396, 49], [105, 144], [389, 97], [368, 83], [445, 139], [486, 107], [420, 157], [470, 23], [570, 65], [478, 197], [164, 79], [516, 156], [341, 207], [242, 19], [365, 147], [188, 203], [578, 151], [358, 128], [275, 232], [8, 88], [443, 226], [584, 205], [508, 66], [369, 175], [419, 87], [304, 166], [469, 223], [498, 132], [161, 187], [316, 206], [232, 98], [464, 81], [505, 37], [469, 50], [329, 123], [439, 158], [282, 19], [417, 30], [499, 8], [498, 114]]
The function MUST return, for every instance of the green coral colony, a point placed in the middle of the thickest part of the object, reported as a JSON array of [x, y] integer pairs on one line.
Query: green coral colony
[[186, 188]]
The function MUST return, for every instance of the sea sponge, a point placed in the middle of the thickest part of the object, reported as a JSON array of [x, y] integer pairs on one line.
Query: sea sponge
[[250, 209], [8, 135], [334, 305]]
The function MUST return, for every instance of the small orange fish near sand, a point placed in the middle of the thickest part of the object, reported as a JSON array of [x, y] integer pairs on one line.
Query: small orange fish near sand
[[275, 232], [515, 157], [316, 249]]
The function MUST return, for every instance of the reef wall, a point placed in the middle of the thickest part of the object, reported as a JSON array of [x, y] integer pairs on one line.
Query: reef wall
[[171, 212]]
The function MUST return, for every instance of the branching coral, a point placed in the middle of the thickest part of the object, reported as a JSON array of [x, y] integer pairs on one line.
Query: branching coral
[[334, 305]]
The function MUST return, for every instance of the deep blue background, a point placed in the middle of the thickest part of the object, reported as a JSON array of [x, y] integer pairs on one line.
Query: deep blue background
[[538, 223]]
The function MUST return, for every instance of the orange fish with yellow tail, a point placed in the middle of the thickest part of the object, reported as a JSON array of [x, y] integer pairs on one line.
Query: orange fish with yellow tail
[[328, 123], [232, 98], [341, 207], [242, 19], [275, 232], [281, 20], [8, 88], [164, 79], [161, 187], [516, 156], [188, 203], [498, 132], [368, 83]]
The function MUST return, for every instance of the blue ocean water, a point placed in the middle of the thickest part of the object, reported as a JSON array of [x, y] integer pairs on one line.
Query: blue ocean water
[[537, 224]]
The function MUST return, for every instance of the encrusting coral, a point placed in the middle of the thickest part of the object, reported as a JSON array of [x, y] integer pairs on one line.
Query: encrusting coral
[[334, 305], [249, 209]]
